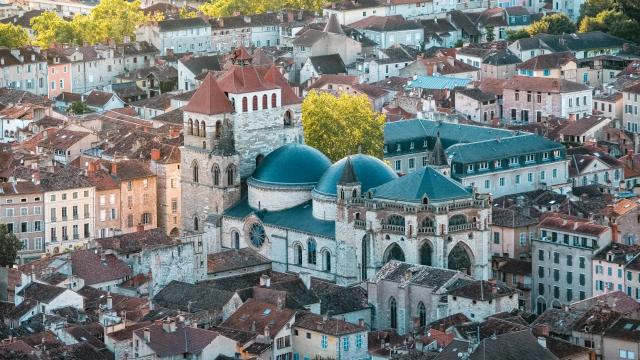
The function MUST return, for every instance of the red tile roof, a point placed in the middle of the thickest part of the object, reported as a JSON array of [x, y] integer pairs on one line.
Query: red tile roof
[[183, 340], [255, 315], [209, 99], [572, 225], [274, 76], [243, 79], [88, 265]]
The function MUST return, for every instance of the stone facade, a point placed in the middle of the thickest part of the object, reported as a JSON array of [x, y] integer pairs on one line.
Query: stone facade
[[22, 210]]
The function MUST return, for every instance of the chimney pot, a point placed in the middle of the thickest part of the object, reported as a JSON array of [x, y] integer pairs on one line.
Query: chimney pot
[[147, 334], [155, 154]]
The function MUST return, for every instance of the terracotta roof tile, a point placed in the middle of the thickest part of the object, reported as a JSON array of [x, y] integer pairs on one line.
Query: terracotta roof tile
[[94, 269], [209, 99]]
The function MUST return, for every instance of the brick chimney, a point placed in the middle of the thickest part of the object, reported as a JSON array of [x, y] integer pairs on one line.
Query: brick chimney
[[572, 118], [140, 228], [147, 334], [114, 168], [91, 168], [155, 154]]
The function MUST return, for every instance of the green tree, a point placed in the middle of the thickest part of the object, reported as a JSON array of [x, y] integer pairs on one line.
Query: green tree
[[489, 29], [51, 28], [218, 8], [458, 44], [187, 13], [613, 22], [78, 108], [555, 24], [13, 36], [591, 8], [513, 35], [9, 246], [340, 126], [115, 19]]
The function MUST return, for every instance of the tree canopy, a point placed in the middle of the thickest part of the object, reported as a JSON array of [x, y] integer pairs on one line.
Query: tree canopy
[[9, 246], [616, 17], [341, 126], [218, 8], [13, 36], [555, 24], [109, 20]]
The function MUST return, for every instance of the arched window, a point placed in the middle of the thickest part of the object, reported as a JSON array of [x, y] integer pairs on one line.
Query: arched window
[[216, 175], [354, 193], [245, 106], [190, 131], [203, 129], [395, 220], [196, 225], [326, 261], [311, 252], [231, 175], [297, 254], [457, 220], [274, 100], [255, 103], [357, 216], [288, 118], [236, 240], [218, 129], [259, 159], [422, 314], [197, 128], [194, 171], [427, 222], [393, 313], [265, 101]]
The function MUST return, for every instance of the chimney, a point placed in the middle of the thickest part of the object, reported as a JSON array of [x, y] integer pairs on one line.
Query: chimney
[[572, 118], [140, 228], [265, 281], [35, 177], [1, 60], [147, 334], [168, 325], [253, 326], [155, 154], [267, 331], [109, 301], [280, 303], [361, 323], [174, 132], [91, 168], [306, 279], [247, 19], [114, 168]]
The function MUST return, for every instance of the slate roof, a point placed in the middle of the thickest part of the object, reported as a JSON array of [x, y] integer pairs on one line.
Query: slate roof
[[330, 326], [479, 290], [63, 139], [370, 171], [548, 61], [203, 297], [180, 24], [350, 5], [136, 241], [622, 253], [421, 275], [339, 299], [501, 148], [298, 218], [521, 345], [514, 266], [184, 340], [98, 98], [43, 293], [414, 129], [415, 186], [477, 94], [88, 265], [625, 329], [328, 64], [233, 259], [199, 64], [578, 128], [63, 179], [502, 57], [386, 24]]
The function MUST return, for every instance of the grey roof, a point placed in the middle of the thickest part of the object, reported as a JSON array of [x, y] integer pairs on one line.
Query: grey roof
[[179, 24], [438, 155], [520, 345], [328, 64], [477, 94], [573, 42], [339, 299], [425, 182], [176, 295], [199, 64], [421, 275], [333, 26], [69, 178], [348, 175], [43, 293], [298, 218], [502, 57], [501, 148], [450, 133]]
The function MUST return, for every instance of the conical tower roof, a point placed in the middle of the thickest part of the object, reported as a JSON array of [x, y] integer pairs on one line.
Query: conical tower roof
[[333, 26], [209, 99], [438, 156], [348, 175]]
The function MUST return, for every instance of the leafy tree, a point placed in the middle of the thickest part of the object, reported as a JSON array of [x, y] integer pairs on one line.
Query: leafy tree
[[554, 24], [458, 43], [489, 29], [513, 35], [631, 8], [615, 23], [217, 8], [115, 19], [339, 126], [13, 36], [186, 13], [51, 28], [592, 8], [78, 108], [9, 246]]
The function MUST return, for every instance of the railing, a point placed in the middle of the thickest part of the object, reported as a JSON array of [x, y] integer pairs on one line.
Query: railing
[[393, 228], [463, 227], [523, 286], [426, 230], [360, 224]]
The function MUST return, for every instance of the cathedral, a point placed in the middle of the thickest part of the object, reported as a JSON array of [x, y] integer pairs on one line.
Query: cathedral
[[337, 221]]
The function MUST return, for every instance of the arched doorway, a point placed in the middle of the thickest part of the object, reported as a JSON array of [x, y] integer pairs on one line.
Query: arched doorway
[[460, 258], [174, 232], [236, 240], [426, 253], [393, 252]]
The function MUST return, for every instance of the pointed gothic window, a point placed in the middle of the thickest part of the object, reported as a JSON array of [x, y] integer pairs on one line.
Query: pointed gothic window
[[255, 103], [197, 128], [245, 106], [326, 260], [203, 129], [274, 100], [265, 101], [297, 250], [218, 129], [196, 225], [190, 132], [393, 313], [194, 169], [216, 175], [422, 314], [230, 175]]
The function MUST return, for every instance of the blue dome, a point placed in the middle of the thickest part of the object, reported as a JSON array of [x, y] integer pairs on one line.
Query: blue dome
[[292, 164], [370, 172]]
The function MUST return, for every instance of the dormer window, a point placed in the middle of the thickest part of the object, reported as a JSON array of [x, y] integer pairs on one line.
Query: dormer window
[[424, 144], [513, 161], [483, 165], [398, 148], [470, 168], [530, 158], [556, 153], [412, 146], [545, 156], [497, 164], [386, 148]]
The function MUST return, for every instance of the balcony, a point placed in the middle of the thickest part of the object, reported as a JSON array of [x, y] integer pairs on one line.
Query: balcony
[[398, 229], [463, 227], [427, 230], [360, 224]]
